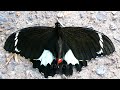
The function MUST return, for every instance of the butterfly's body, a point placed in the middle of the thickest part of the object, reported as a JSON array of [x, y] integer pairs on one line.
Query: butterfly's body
[[58, 50]]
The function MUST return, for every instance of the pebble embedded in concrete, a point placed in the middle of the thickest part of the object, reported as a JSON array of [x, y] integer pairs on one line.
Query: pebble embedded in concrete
[[112, 26], [101, 16], [101, 70]]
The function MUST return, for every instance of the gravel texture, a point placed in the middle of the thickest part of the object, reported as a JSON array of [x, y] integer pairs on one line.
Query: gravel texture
[[107, 22]]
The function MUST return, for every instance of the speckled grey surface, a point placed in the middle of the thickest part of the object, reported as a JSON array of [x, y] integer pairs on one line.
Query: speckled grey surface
[[107, 22]]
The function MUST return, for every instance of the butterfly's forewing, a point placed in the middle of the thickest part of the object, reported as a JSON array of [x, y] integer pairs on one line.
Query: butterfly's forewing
[[86, 43], [32, 41]]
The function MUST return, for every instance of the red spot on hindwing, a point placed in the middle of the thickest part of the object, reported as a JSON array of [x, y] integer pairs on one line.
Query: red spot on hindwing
[[59, 61]]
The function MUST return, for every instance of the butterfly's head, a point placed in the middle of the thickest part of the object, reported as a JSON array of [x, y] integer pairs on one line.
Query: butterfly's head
[[57, 24]]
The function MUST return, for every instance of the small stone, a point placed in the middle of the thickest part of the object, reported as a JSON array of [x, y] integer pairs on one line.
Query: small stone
[[114, 17], [28, 72], [11, 12], [2, 38], [48, 15], [33, 74], [101, 70], [81, 15], [18, 14], [116, 36], [3, 19], [114, 12], [92, 12], [112, 26], [1, 30], [60, 15], [7, 32], [30, 18], [101, 16]]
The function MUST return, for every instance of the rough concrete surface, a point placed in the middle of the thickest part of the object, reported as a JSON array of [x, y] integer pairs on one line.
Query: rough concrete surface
[[107, 22]]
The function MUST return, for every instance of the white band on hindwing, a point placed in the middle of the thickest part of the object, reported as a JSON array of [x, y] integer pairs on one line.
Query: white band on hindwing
[[46, 58], [70, 58]]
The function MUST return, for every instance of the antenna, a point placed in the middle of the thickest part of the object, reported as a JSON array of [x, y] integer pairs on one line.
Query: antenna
[[59, 22]]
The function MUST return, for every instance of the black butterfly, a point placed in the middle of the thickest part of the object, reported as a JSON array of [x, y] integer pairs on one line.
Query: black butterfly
[[58, 50]]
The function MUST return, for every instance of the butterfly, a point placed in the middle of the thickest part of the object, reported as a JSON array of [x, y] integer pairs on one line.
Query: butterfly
[[57, 50]]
